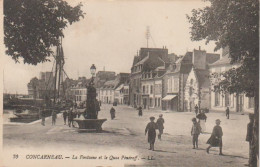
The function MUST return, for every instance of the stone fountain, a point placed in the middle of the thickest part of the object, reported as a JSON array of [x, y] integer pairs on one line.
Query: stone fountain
[[91, 121]]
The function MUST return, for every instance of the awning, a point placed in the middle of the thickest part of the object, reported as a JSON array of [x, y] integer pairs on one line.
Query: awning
[[169, 97]]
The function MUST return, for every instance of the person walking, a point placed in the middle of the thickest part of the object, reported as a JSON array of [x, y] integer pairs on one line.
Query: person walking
[[54, 117], [151, 129], [215, 139], [160, 122], [112, 113], [140, 112], [195, 132], [65, 115], [249, 137], [227, 112], [196, 109]]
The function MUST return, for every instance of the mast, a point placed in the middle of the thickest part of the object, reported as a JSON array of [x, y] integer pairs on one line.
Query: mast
[[56, 71]]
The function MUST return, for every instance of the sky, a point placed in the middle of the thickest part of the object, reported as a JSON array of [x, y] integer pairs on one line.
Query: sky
[[109, 36]]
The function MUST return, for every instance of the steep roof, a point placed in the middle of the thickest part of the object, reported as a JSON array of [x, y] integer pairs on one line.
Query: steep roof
[[212, 57], [224, 60], [142, 61]]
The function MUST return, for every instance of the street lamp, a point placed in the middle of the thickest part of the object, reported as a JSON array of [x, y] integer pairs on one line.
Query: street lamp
[[93, 72]]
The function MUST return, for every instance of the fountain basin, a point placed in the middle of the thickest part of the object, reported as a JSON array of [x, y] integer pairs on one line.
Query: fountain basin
[[90, 124]]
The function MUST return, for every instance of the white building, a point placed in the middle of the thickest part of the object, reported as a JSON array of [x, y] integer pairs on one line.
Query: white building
[[235, 102], [197, 89], [107, 91], [119, 94], [79, 93]]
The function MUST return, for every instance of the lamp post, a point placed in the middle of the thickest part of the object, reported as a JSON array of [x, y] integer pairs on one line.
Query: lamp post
[[91, 110], [93, 72]]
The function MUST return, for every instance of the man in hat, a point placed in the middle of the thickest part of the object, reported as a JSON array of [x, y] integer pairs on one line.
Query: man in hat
[[249, 137], [215, 139], [160, 122], [195, 132], [150, 128]]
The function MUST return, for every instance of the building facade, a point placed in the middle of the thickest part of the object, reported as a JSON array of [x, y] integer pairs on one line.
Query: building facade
[[143, 73], [175, 79], [219, 101], [197, 89]]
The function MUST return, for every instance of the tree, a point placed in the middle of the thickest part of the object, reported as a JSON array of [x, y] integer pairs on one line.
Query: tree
[[234, 24], [32, 27]]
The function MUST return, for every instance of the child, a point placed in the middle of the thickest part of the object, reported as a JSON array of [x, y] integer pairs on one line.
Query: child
[[151, 126], [215, 139], [195, 132], [160, 122]]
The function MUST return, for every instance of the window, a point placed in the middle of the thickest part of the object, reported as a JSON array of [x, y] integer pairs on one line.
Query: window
[[159, 102], [227, 103], [151, 89], [143, 89], [251, 102], [216, 98], [155, 102], [176, 84]]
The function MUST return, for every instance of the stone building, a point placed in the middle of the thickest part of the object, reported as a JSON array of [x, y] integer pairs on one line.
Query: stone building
[[197, 89], [110, 92], [42, 87], [142, 74], [175, 78], [219, 101]]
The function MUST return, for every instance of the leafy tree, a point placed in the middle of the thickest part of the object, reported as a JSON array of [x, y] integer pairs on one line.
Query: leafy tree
[[32, 27], [234, 24]]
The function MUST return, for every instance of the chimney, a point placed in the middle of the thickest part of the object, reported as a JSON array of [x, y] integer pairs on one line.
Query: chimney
[[199, 59]]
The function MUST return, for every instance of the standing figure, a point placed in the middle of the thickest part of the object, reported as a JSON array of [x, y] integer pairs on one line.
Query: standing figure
[[227, 113], [42, 116], [196, 109], [160, 122], [70, 117], [65, 115], [202, 120], [140, 112], [249, 137], [150, 128], [195, 132], [215, 139], [112, 113], [54, 117]]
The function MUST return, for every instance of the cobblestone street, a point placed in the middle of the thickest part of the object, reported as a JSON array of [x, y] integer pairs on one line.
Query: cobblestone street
[[125, 136]]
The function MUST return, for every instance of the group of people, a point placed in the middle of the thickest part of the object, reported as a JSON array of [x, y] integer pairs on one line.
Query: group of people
[[151, 129], [70, 115]]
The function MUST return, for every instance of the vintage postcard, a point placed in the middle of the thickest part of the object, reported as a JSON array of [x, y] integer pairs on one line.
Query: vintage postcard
[[110, 83]]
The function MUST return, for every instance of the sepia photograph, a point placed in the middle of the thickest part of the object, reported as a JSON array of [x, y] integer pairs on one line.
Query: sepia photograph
[[130, 83]]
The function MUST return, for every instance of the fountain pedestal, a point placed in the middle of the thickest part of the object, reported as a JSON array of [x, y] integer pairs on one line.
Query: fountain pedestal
[[90, 124]]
